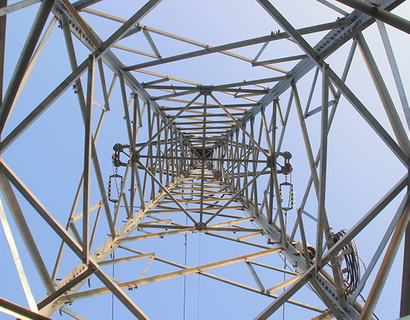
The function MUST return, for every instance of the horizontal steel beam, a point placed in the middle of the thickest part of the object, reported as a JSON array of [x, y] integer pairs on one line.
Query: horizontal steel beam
[[235, 45], [170, 275]]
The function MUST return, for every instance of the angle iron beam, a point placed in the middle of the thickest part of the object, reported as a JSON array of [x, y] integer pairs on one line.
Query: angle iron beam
[[217, 88], [288, 28], [82, 4], [157, 235], [306, 139], [379, 251], [239, 44], [151, 43], [120, 294], [285, 283], [16, 259], [18, 311], [3, 24], [266, 266], [236, 106], [395, 71], [102, 252], [284, 121], [368, 117], [25, 233], [65, 84], [174, 94], [284, 297], [204, 229], [240, 285], [35, 58], [323, 165], [334, 7], [279, 60], [166, 191], [255, 276], [87, 158], [312, 90], [331, 117], [379, 13], [83, 107], [274, 234], [24, 60], [358, 22], [82, 23], [385, 97], [39, 207], [65, 288], [387, 263], [171, 275], [6, 9], [366, 219], [240, 126], [168, 123], [73, 314]]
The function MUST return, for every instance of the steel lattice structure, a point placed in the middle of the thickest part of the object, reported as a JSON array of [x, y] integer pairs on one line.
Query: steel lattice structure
[[146, 174]]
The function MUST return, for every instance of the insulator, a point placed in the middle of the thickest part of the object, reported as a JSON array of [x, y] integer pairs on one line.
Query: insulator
[[118, 181], [286, 191]]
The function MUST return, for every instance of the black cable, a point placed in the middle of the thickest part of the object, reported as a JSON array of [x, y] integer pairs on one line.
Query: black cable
[[351, 259], [185, 262], [112, 294]]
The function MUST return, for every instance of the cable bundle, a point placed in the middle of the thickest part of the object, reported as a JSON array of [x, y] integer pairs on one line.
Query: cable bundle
[[351, 258]]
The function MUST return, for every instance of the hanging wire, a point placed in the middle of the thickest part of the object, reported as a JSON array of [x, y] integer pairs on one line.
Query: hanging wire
[[185, 281], [351, 258], [284, 268], [113, 276], [112, 294], [199, 276], [185, 263]]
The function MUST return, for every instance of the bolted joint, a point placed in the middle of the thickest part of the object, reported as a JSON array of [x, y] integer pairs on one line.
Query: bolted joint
[[287, 155], [218, 174], [286, 168], [135, 156], [200, 226], [117, 162], [271, 161], [118, 147], [205, 90]]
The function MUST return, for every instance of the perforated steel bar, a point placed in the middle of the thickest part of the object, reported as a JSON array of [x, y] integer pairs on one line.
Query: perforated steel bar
[[379, 13]]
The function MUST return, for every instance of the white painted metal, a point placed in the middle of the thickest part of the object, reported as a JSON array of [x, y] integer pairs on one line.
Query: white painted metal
[[200, 162]]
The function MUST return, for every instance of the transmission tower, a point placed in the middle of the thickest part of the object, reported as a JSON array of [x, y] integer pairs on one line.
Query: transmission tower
[[204, 159]]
